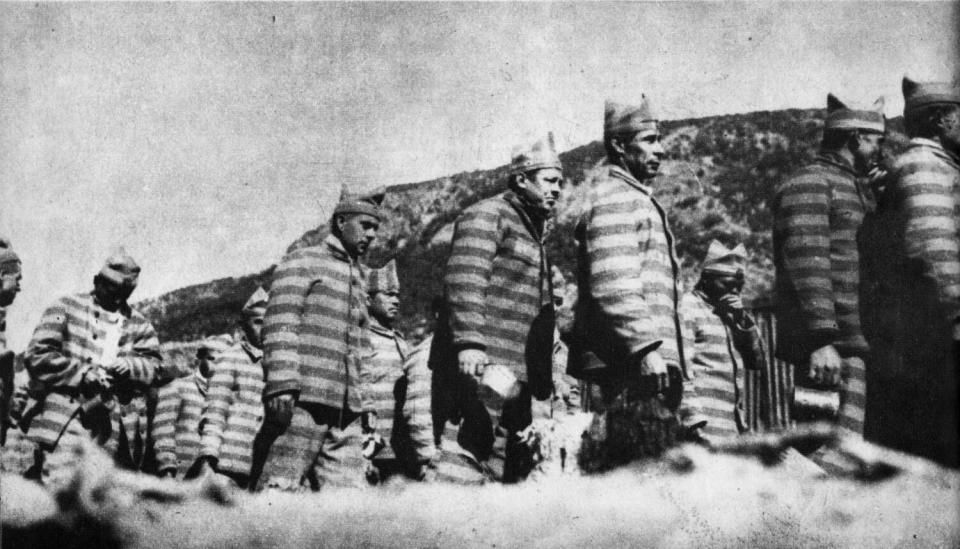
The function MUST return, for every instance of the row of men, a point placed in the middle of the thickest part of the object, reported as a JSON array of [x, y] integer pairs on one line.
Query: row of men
[[649, 385]]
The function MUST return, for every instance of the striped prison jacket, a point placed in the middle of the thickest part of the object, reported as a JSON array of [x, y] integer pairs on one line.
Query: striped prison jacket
[[924, 196], [397, 382], [234, 411], [497, 283], [628, 275], [67, 343], [717, 366], [316, 326], [176, 425], [817, 213]]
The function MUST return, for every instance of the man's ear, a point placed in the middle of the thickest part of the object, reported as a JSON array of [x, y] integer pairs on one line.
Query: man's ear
[[338, 221], [616, 143]]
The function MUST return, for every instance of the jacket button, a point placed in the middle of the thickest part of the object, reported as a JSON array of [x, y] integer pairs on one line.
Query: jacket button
[[88, 360], [94, 336]]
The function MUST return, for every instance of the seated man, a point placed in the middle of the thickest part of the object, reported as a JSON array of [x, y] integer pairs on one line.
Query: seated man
[[725, 341]]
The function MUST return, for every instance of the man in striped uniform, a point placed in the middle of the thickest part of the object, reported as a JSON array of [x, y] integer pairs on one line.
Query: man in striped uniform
[[918, 387], [399, 389], [180, 404], [234, 410], [725, 341], [817, 213], [627, 333], [90, 361], [314, 332], [500, 310], [10, 276]]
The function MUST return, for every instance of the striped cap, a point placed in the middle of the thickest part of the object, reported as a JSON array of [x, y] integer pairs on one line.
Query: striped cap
[[9, 260], [842, 117], [361, 204], [924, 94], [121, 268], [619, 119], [257, 304], [383, 279], [542, 154], [723, 260]]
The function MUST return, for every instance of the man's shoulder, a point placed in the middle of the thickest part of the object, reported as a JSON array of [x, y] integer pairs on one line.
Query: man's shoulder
[[921, 157], [496, 205]]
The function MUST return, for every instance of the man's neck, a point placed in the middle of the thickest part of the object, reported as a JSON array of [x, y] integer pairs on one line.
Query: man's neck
[[384, 323]]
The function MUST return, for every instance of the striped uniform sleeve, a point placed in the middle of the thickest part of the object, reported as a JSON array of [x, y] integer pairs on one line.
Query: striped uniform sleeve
[[416, 408], [220, 396], [165, 425], [45, 358], [804, 222], [144, 362], [930, 235], [281, 325], [692, 316], [468, 272], [614, 236]]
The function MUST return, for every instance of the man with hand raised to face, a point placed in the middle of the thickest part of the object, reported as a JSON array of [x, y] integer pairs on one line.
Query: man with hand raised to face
[[314, 334]]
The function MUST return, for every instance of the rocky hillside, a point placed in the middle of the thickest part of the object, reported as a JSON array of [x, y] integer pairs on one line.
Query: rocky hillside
[[716, 184]]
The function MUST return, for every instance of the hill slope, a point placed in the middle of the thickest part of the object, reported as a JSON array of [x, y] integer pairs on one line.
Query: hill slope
[[716, 183]]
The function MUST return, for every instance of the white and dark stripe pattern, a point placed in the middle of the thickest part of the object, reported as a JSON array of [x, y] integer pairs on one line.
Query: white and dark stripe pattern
[[68, 342], [817, 214], [628, 272], [316, 326], [176, 425], [497, 281], [234, 411]]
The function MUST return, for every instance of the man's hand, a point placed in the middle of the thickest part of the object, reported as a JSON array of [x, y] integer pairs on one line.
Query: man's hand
[[279, 409], [825, 365], [368, 422], [653, 365], [541, 409], [94, 382], [119, 368], [472, 361]]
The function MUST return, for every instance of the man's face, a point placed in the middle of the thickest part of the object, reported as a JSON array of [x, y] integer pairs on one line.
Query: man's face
[[869, 151], [111, 294], [357, 232], [716, 285], [252, 326], [542, 188], [9, 286], [385, 306], [950, 130], [642, 154]]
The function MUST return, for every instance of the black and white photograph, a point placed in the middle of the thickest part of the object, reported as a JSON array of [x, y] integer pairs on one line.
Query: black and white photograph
[[665, 274]]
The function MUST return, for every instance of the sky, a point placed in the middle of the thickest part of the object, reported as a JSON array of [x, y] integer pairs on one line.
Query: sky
[[205, 137]]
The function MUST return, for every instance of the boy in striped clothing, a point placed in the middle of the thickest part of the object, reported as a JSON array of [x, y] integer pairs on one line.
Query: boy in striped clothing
[[500, 310], [90, 361], [315, 330], [180, 404], [399, 389], [918, 379], [817, 214], [234, 410], [725, 341], [627, 334]]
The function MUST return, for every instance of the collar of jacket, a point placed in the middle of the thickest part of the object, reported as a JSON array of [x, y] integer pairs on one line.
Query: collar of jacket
[[535, 227], [620, 173], [380, 329], [336, 249], [936, 148], [834, 159], [202, 382], [254, 353]]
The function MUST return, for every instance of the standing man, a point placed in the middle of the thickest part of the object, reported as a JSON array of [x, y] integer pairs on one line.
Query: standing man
[[500, 310], [234, 410], [817, 214], [10, 276], [91, 361], [627, 333], [314, 332], [725, 341], [399, 389], [918, 387]]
